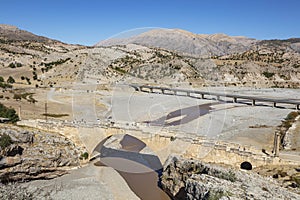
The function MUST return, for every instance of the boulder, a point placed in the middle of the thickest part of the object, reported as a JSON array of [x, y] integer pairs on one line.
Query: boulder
[[10, 161]]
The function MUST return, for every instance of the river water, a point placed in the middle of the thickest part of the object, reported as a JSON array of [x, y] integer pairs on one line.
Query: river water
[[140, 170]]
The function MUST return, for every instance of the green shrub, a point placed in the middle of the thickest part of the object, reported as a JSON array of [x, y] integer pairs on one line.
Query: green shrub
[[5, 85], [10, 80], [1, 79], [5, 141], [84, 156], [215, 194], [230, 176], [268, 74], [9, 113], [292, 115], [14, 65]]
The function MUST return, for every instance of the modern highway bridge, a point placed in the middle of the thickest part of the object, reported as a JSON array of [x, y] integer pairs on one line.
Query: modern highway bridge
[[202, 94]]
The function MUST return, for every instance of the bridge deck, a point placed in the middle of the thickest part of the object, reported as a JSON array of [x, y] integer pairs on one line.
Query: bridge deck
[[234, 96]]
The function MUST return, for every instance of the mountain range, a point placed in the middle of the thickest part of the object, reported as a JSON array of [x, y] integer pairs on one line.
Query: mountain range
[[159, 56]]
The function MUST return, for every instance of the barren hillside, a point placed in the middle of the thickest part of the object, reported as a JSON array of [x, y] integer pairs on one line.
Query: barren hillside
[[158, 56]]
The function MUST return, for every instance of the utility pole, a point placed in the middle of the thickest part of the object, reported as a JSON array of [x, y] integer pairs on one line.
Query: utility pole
[[276, 144], [20, 112], [46, 112]]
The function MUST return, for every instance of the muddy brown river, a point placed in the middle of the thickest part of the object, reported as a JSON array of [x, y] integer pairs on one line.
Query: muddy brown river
[[140, 171]]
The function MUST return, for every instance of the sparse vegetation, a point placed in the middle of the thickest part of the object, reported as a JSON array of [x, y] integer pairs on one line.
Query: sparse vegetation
[[268, 74], [50, 65], [28, 80], [5, 85], [84, 156], [215, 194], [15, 65], [292, 116], [17, 97], [10, 80], [9, 113], [230, 176], [5, 141], [35, 77], [26, 96], [286, 124], [118, 69], [55, 115], [290, 119]]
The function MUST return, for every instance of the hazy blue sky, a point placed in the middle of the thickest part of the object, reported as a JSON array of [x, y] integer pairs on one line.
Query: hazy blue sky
[[88, 21]]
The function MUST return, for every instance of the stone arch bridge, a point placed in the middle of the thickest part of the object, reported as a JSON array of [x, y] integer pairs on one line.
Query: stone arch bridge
[[162, 143]]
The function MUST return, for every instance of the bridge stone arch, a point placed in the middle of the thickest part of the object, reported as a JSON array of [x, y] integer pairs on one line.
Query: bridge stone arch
[[127, 153], [162, 144]]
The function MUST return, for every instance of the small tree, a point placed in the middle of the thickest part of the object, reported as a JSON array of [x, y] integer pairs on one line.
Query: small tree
[[1, 79], [10, 80], [9, 113], [17, 96], [5, 141], [12, 65]]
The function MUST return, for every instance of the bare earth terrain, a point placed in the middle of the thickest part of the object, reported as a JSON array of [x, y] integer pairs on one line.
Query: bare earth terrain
[[125, 144]]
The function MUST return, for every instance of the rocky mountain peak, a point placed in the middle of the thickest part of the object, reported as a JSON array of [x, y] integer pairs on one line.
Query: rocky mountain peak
[[13, 34], [8, 27], [186, 42]]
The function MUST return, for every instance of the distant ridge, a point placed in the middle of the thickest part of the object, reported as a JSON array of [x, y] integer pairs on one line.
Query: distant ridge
[[186, 42], [12, 33]]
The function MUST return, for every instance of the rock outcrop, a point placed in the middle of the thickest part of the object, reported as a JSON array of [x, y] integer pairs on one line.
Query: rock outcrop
[[32, 154], [190, 179]]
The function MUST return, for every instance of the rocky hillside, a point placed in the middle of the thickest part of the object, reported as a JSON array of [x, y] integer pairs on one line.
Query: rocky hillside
[[186, 42], [10, 33], [29, 155], [190, 179], [158, 57], [226, 60]]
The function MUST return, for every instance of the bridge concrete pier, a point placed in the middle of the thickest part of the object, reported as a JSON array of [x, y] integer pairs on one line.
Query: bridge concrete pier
[[202, 96], [253, 102], [234, 100]]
